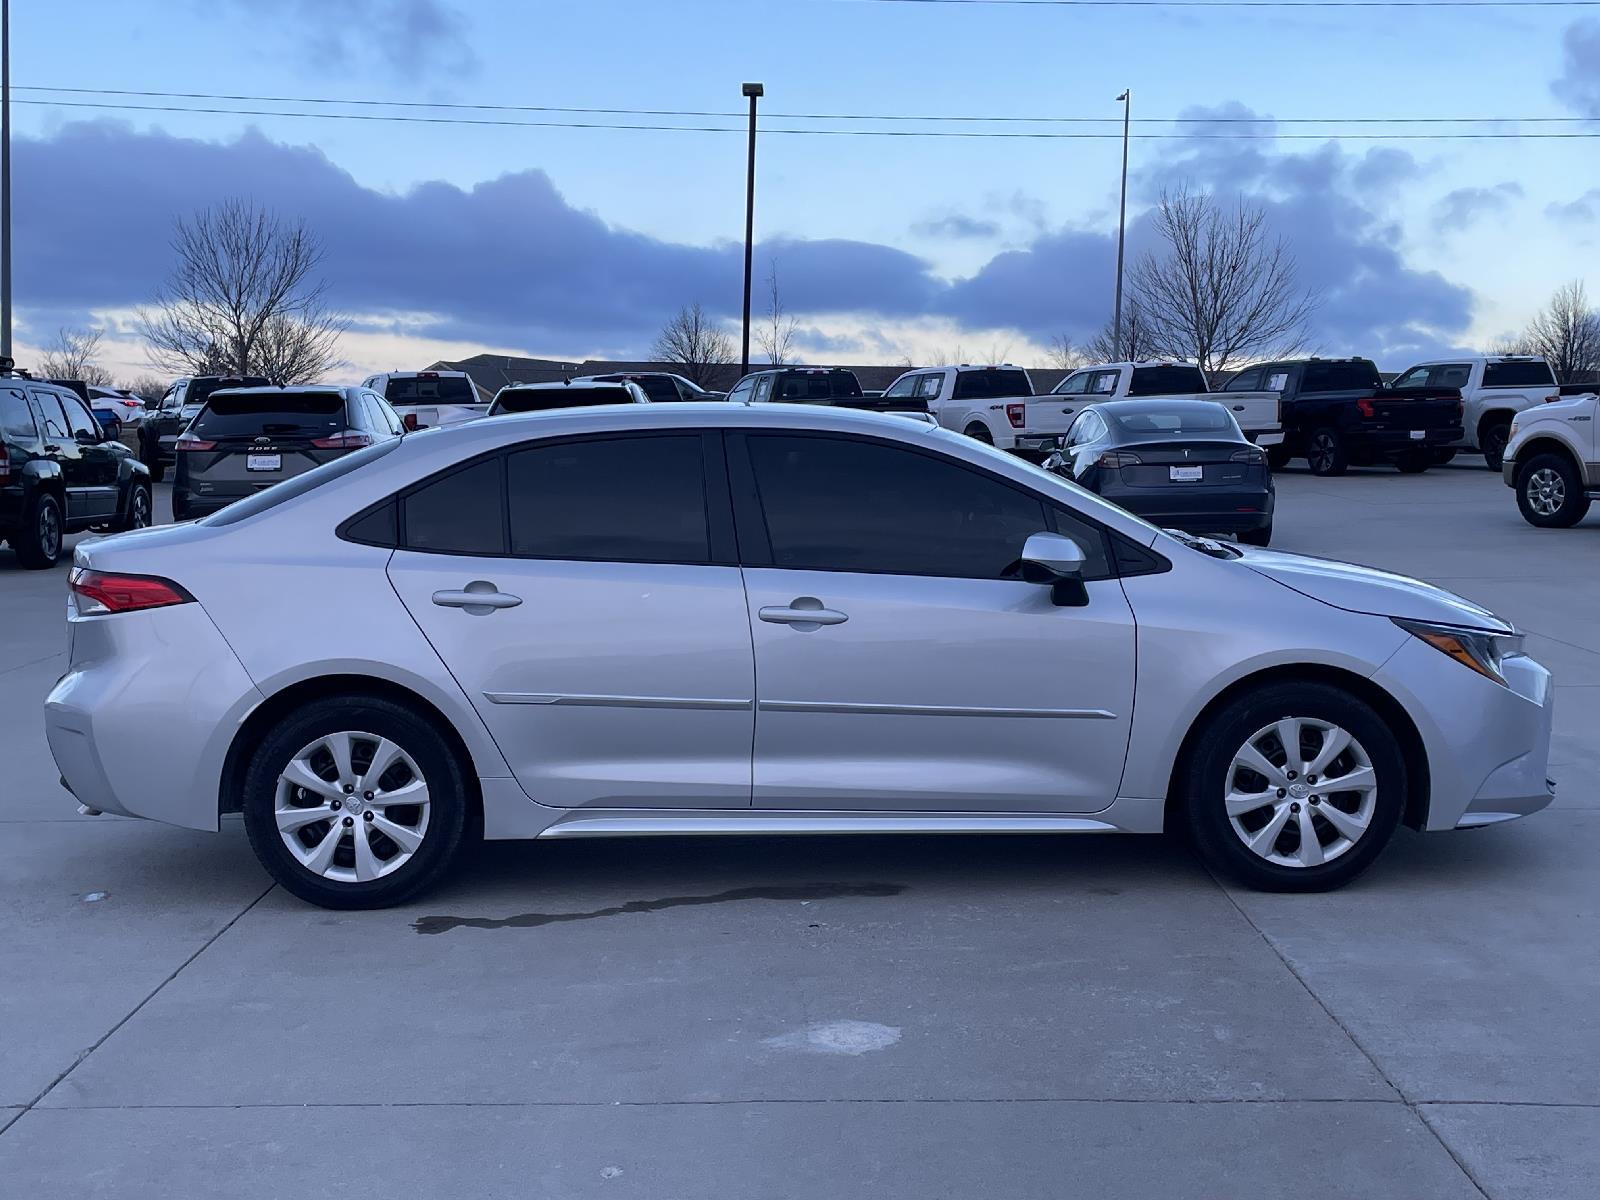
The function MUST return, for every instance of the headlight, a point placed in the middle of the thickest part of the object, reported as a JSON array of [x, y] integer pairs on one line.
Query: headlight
[[1483, 650]]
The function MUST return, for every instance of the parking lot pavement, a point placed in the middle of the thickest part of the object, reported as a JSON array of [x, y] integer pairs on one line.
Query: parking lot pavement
[[916, 1017]]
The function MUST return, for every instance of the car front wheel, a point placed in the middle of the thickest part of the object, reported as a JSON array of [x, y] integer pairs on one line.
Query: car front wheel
[[1294, 788], [356, 802], [1550, 492]]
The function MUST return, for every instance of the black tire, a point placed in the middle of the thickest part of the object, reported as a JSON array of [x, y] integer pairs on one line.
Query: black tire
[[1278, 456], [1441, 457], [450, 819], [1550, 492], [1492, 438], [979, 432], [139, 510], [1326, 452], [1414, 463], [150, 455], [1206, 779], [38, 542], [1257, 537]]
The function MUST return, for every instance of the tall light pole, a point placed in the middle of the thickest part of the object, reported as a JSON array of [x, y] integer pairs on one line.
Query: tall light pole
[[754, 91], [5, 181], [1122, 222]]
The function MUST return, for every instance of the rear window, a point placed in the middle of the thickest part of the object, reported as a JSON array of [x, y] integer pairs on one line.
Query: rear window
[[1518, 374], [1340, 376], [1148, 421], [657, 387], [820, 385], [1166, 381], [200, 389], [516, 400], [299, 485], [438, 389], [252, 414], [987, 385]]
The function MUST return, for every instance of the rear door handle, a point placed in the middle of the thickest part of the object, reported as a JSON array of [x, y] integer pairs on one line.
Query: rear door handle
[[804, 613], [479, 597]]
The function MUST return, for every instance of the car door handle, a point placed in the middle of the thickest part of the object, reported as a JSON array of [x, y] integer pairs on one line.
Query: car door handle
[[801, 612], [479, 595]]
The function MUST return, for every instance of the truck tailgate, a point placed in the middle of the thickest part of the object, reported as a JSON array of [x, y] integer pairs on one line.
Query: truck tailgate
[[1256, 412], [1411, 408], [1052, 414]]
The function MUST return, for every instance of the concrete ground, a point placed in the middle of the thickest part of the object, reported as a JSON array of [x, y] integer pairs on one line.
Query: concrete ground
[[916, 1018]]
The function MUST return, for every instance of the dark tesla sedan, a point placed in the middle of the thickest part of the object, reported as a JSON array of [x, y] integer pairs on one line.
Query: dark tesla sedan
[[1178, 463]]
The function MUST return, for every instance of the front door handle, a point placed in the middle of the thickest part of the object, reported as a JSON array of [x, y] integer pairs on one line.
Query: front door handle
[[804, 613], [480, 597]]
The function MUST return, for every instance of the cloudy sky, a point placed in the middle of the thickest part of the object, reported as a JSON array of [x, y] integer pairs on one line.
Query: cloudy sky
[[448, 238]]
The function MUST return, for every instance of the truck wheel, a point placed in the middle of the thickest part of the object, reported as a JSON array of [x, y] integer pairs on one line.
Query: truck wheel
[[1257, 537], [1550, 493], [150, 455], [1492, 439], [1326, 453], [1278, 456], [979, 433], [1415, 463], [1441, 457], [38, 542]]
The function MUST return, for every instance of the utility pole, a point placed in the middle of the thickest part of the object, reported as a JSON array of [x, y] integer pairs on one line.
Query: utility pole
[[754, 91], [1122, 222], [5, 181]]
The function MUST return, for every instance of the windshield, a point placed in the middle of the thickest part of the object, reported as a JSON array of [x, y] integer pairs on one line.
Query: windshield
[[253, 414], [298, 485], [431, 389], [1173, 380], [1150, 420], [516, 400], [988, 384]]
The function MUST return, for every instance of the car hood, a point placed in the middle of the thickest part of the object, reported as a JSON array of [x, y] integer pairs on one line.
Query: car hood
[[1368, 590]]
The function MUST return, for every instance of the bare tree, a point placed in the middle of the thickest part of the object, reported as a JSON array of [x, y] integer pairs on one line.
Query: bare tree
[[146, 387], [1222, 289], [1567, 333], [693, 341], [1137, 343], [776, 336], [73, 357], [1063, 354], [244, 299]]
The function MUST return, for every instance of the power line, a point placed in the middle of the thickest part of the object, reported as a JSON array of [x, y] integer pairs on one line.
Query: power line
[[789, 116], [1261, 3]]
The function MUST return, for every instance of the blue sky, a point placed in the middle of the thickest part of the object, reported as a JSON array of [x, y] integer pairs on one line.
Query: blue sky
[[566, 242]]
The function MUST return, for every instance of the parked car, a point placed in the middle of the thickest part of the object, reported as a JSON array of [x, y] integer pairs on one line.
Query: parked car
[[1184, 464], [1338, 413], [1255, 411], [425, 399], [662, 387], [170, 416], [126, 406], [1494, 389], [60, 473], [993, 404], [537, 397], [666, 618], [244, 440], [1553, 460]]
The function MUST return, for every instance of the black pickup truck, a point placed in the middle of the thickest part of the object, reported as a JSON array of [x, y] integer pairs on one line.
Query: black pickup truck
[[1337, 412]]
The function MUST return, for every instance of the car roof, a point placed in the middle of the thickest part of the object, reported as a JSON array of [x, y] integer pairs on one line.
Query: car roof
[[297, 389], [584, 384], [419, 374]]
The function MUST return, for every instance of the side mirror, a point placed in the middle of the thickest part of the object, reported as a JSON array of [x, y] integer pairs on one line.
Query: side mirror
[[1057, 560], [410, 422]]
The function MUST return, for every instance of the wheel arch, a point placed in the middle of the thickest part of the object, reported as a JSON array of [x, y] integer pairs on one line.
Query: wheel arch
[[1418, 781], [1545, 443], [1493, 416], [275, 707]]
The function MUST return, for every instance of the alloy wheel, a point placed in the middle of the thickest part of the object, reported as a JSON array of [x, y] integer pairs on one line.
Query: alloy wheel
[[1321, 456], [1301, 792], [1546, 491], [49, 530], [141, 509], [352, 807]]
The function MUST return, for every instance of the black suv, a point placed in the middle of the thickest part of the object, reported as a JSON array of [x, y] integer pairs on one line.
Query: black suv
[[170, 416], [59, 473]]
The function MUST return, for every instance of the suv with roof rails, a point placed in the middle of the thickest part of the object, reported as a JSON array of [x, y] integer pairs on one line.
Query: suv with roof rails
[[170, 415], [663, 387], [59, 472]]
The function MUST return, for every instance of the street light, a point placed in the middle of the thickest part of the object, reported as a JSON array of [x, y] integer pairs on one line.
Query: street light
[[754, 91], [1122, 224], [5, 182]]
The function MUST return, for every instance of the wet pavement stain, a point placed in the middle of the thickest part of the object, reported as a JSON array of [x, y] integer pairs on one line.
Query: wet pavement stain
[[804, 891]]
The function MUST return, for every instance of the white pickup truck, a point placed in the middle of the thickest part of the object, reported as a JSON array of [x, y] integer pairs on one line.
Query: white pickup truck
[[994, 404], [428, 398], [1494, 389], [1256, 410], [1553, 460]]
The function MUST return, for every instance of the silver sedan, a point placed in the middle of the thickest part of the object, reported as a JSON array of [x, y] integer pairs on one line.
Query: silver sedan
[[712, 618]]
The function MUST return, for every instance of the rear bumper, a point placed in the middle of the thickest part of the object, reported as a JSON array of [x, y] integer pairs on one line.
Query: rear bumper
[[1208, 510], [1396, 443], [1041, 443]]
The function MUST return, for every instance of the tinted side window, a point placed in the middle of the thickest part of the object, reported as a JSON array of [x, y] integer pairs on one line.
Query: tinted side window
[[834, 504], [1517, 374], [16, 421], [79, 419], [52, 421], [632, 499], [1244, 381], [459, 513]]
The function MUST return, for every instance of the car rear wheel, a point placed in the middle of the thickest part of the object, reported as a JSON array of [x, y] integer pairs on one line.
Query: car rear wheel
[[1441, 457], [1294, 788], [1415, 463], [137, 513], [980, 433], [1492, 439], [1550, 492], [1257, 537], [38, 541], [1326, 453], [356, 802], [1278, 456]]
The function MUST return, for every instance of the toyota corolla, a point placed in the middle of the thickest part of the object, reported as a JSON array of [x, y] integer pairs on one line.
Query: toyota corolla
[[721, 619]]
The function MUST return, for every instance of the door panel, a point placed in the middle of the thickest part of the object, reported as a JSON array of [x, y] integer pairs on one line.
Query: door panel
[[939, 694], [609, 684]]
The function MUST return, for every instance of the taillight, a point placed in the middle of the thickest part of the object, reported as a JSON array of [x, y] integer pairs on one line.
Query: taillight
[[1248, 455], [1365, 408], [189, 442], [1017, 414], [99, 592], [342, 441], [1118, 458]]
